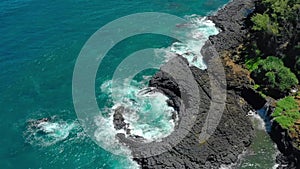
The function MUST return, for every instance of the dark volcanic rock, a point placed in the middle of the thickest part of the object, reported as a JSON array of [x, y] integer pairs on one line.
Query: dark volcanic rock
[[230, 20], [118, 119], [253, 98], [167, 85], [290, 155], [233, 134]]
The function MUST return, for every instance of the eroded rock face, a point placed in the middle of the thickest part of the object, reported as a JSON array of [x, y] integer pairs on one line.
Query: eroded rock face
[[167, 85]]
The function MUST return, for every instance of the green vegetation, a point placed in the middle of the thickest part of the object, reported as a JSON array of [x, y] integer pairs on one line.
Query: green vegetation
[[276, 24], [281, 7], [277, 12], [272, 56], [286, 112], [256, 86], [262, 22], [271, 73], [252, 64]]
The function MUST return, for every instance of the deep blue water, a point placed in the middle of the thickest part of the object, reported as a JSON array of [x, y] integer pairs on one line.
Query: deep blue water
[[39, 44]]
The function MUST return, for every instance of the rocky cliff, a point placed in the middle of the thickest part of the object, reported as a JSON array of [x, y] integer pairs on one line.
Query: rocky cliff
[[289, 158]]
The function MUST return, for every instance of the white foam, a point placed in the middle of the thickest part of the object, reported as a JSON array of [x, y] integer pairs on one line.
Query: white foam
[[152, 118], [197, 32], [147, 112], [105, 136], [275, 166], [261, 123], [47, 133], [142, 108]]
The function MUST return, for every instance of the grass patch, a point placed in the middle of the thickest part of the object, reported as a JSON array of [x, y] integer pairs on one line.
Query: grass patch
[[286, 112]]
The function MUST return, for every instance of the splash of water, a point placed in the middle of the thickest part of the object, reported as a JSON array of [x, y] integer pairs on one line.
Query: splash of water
[[196, 33], [46, 132], [148, 113]]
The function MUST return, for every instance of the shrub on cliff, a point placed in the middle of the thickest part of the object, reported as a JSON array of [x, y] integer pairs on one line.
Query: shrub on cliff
[[276, 30], [262, 22], [286, 112], [272, 75]]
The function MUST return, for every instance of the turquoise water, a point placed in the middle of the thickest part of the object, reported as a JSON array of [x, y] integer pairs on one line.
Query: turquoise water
[[262, 153], [40, 41]]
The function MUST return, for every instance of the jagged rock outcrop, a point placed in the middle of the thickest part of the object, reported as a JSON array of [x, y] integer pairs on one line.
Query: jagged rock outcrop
[[166, 84], [230, 20], [118, 119]]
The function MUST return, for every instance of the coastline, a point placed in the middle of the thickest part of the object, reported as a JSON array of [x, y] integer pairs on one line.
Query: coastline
[[235, 131]]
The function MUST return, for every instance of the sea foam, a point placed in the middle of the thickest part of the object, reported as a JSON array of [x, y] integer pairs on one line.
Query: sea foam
[[195, 35], [148, 113]]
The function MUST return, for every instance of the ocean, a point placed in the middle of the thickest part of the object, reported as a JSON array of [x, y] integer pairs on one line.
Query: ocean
[[40, 42]]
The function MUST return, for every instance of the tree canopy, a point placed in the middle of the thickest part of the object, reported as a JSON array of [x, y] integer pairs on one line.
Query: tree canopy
[[262, 22], [273, 75]]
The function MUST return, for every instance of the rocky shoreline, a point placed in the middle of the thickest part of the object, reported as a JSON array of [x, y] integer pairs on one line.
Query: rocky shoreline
[[235, 131], [230, 139]]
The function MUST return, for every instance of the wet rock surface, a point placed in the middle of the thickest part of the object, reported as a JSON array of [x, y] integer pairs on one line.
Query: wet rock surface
[[167, 85], [118, 119]]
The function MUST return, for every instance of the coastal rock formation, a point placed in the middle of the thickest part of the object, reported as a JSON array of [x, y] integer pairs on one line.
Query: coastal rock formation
[[166, 84], [118, 120], [230, 20], [234, 132], [290, 155]]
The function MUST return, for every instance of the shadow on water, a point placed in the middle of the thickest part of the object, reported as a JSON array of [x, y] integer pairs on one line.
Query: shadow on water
[[264, 115]]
